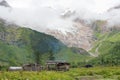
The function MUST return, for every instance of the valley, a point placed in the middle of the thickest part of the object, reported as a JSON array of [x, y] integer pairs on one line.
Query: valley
[[59, 40]]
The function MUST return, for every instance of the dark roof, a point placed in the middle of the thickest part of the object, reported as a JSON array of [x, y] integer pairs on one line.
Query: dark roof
[[32, 64], [56, 62]]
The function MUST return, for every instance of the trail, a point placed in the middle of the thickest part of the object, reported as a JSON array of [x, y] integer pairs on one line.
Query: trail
[[97, 49], [92, 54]]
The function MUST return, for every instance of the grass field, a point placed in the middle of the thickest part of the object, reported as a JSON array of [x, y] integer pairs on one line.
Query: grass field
[[98, 73]]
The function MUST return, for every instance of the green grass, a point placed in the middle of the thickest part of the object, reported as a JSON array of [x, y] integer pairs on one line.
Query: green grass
[[108, 48], [75, 58], [106, 40], [114, 37], [98, 73], [12, 54]]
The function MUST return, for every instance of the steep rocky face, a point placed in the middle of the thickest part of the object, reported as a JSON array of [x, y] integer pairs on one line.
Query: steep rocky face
[[81, 36], [8, 33]]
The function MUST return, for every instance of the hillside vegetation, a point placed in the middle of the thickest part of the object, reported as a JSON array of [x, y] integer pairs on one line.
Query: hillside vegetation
[[107, 47], [22, 45]]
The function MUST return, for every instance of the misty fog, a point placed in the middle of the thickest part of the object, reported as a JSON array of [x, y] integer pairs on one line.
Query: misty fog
[[47, 14]]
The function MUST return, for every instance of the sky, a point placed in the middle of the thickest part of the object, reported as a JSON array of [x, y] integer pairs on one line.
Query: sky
[[98, 6], [46, 14]]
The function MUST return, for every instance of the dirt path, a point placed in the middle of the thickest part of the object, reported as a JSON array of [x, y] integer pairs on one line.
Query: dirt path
[[97, 49], [92, 54]]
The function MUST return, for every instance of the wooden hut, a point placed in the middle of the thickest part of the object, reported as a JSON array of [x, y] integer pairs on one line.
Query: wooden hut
[[58, 65], [32, 67]]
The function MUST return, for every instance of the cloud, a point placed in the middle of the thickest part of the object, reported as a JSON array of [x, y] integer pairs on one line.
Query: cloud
[[113, 17], [46, 14]]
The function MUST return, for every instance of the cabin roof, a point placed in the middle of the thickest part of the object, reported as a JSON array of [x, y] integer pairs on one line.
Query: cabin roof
[[56, 62], [31, 64], [13, 67]]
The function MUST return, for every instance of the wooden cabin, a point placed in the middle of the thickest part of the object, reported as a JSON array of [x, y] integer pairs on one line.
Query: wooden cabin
[[58, 65], [32, 67]]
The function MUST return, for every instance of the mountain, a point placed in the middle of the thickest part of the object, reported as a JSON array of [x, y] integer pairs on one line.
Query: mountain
[[107, 49], [106, 46], [80, 37], [4, 3], [20, 45], [98, 38]]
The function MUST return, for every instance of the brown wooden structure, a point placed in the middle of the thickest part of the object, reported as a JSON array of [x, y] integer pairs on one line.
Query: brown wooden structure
[[32, 67], [58, 65]]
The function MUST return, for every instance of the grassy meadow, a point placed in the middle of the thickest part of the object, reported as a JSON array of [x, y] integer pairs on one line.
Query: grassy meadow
[[98, 73]]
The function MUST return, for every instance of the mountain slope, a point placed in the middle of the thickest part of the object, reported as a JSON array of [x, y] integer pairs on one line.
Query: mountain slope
[[107, 46], [80, 37], [22, 45]]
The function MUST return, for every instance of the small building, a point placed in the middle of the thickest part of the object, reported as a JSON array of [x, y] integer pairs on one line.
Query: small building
[[58, 65], [88, 66], [32, 67], [13, 68]]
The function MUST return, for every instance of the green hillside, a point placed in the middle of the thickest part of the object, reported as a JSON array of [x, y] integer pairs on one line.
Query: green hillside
[[107, 47], [22, 45]]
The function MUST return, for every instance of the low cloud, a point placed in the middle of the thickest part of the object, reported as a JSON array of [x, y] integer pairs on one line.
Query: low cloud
[[46, 14]]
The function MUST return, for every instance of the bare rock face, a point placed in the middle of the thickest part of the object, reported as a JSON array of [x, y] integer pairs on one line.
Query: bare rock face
[[81, 36]]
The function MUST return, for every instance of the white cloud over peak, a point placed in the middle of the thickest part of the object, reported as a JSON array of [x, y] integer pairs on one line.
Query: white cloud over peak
[[43, 14]]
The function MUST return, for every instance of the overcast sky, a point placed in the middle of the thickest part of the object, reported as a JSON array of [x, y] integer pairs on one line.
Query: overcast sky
[[98, 6], [41, 14]]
